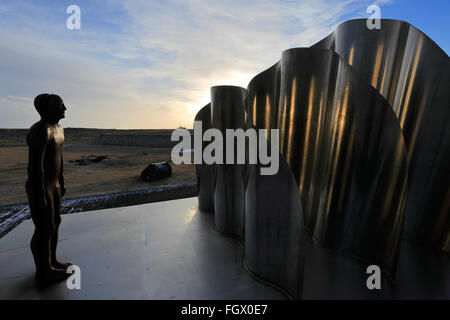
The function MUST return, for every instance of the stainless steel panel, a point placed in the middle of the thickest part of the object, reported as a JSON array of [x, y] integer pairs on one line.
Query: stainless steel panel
[[274, 229], [205, 173], [345, 148], [413, 74], [228, 112], [364, 131]]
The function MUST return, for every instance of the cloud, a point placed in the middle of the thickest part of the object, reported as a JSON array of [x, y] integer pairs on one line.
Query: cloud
[[18, 108], [148, 64]]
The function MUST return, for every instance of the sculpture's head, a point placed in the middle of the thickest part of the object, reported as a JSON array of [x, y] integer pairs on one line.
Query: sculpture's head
[[50, 107]]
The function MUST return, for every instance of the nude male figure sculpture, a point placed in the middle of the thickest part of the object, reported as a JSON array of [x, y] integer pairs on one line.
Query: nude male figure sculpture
[[45, 186]]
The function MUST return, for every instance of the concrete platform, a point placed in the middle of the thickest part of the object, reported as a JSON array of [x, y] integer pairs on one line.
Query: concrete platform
[[163, 250], [169, 250]]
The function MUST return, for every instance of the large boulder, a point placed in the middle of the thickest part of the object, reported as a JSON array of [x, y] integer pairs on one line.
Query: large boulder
[[156, 171]]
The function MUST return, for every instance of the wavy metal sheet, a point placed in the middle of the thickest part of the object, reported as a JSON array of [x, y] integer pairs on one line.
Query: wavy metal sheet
[[205, 173], [353, 111], [266, 207], [228, 112], [263, 96], [413, 74], [346, 151], [274, 250]]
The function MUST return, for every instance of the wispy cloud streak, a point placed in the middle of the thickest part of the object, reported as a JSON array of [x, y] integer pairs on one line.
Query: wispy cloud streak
[[147, 64]]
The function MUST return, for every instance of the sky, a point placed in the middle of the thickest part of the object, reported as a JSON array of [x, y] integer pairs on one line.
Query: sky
[[147, 64]]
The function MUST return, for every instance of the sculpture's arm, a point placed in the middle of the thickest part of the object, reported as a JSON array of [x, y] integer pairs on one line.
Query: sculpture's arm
[[61, 177], [38, 147]]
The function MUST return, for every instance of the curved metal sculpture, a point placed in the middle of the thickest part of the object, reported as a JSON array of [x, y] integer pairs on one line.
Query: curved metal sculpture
[[263, 96], [364, 137], [413, 74], [344, 146], [228, 112], [205, 173], [242, 197], [274, 249]]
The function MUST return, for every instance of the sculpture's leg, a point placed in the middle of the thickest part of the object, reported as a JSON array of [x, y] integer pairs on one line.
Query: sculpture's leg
[[54, 237], [41, 243], [35, 248], [37, 235]]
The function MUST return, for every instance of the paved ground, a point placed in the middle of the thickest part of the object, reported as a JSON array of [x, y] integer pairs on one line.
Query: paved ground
[[11, 216], [169, 250], [163, 250]]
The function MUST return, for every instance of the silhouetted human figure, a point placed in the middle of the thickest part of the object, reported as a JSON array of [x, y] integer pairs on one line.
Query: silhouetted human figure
[[45, 186]]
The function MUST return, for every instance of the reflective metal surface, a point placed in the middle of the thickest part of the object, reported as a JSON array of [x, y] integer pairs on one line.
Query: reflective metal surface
[[263, 97], [346, 151], [413, 74], [168, 250], [228, 112], [162, 250], [245, 200], [205, 173], [274, 250], [364, 137]]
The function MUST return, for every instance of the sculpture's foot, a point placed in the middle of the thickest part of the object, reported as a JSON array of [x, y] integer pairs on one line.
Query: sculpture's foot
[[51, 276], [61, 265]]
